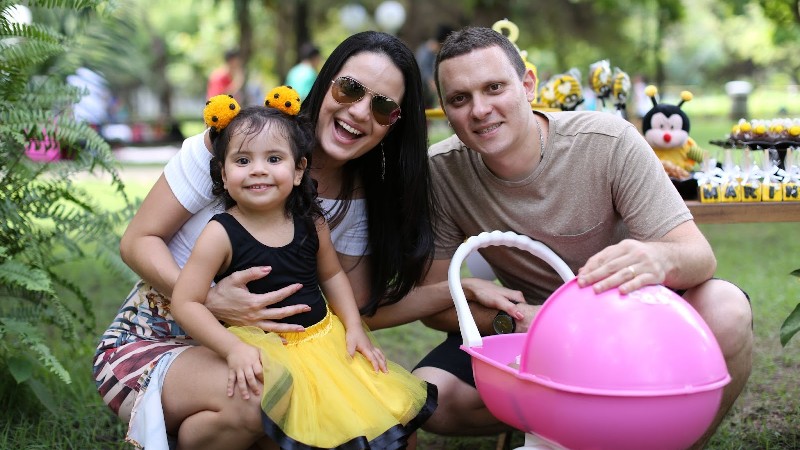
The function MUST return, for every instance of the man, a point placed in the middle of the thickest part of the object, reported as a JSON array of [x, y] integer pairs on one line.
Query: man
[[426, 60], [585, 184]]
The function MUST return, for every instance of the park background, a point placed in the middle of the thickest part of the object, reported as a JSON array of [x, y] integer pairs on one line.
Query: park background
[[61, 280]]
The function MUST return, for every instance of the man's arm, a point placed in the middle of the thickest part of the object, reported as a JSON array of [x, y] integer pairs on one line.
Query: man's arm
[[680, 259]]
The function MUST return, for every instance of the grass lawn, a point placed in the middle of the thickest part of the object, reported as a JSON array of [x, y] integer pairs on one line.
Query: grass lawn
[[757, 257]]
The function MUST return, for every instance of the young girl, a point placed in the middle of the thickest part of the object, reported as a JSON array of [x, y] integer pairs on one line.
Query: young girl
[[327, 386]]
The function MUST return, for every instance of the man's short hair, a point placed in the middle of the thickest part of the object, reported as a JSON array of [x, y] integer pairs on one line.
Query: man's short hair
[[461, 42], [468, 39], [307, 51]]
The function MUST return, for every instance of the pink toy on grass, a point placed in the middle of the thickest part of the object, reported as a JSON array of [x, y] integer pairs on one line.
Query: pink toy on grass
[[596, 371], [44, 150]]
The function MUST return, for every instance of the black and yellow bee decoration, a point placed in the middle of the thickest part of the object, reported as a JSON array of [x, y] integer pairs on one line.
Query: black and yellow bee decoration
[[666, 128], [620, 90], [567, 90], [600, 80]]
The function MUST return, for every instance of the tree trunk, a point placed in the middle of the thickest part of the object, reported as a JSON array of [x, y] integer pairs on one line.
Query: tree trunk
[[284, 21], [658, 51], [301, 31], [796, 11], [163, 87], [242, 14]]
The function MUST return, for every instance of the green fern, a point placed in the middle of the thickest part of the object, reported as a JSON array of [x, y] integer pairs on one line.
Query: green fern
[[17, 274], [31, 339], [48, 221]]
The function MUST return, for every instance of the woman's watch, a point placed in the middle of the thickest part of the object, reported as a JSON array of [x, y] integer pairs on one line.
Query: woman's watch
[[503, 323]]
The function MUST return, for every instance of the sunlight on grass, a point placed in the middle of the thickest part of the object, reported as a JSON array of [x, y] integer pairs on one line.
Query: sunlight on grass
[[763, 103], [136, 190]]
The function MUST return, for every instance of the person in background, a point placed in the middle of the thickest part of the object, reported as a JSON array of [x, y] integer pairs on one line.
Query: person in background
[[587, 185], [94, 107], [371, 165], [301, 77], [228, 78], [426, 58], [641, 102]]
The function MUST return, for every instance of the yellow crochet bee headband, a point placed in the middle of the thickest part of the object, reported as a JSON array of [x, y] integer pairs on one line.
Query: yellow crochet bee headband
[[221, 109], [284, 98]]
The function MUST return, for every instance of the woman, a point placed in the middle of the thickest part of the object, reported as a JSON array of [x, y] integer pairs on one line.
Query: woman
[[371, 167]]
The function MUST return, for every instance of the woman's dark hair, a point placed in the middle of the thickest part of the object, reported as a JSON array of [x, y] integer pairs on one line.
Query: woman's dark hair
[[399, 203], [302, 201]]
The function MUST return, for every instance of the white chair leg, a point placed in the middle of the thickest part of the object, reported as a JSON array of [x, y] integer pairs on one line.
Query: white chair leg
[[536, 442]]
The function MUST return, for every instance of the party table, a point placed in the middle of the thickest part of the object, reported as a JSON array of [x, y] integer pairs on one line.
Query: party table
[[744, 212]]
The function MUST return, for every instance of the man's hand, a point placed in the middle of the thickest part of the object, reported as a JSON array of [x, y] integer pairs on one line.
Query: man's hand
[[680, 259], [628, 265]]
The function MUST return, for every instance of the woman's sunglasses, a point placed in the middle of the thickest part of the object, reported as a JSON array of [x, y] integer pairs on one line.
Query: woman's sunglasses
[[346, 90]]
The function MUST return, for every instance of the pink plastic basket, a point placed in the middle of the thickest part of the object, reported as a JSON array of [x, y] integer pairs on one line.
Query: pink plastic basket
[[607, 371], [44, 150]]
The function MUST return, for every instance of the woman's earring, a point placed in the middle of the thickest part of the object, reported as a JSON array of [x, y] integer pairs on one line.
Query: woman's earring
[[383, 162]]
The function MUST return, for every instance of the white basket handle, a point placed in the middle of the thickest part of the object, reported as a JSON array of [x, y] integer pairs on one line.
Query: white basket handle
[[466, 323]]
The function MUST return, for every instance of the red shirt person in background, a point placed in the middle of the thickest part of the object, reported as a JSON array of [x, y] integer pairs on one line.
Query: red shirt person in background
[[227, 79]]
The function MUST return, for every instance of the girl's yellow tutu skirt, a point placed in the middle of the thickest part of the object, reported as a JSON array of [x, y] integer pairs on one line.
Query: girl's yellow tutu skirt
[[317, 397]]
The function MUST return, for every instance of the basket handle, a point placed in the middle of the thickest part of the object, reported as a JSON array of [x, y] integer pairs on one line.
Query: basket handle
[[466, 323]]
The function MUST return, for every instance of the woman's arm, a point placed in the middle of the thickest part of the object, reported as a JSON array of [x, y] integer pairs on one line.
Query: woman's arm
[[143, 246], [432, 303], [413, 307], [230, 301], [182, 189], [485, 299]]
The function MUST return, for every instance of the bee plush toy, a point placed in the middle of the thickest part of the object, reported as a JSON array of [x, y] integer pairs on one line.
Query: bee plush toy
[[563, 91], [666, 129]]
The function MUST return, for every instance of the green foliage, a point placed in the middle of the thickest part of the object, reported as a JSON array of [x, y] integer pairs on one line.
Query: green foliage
[[791, 325], [48, 220]]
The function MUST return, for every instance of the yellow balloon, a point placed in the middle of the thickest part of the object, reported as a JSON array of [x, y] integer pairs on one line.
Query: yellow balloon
[[505, 24]]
